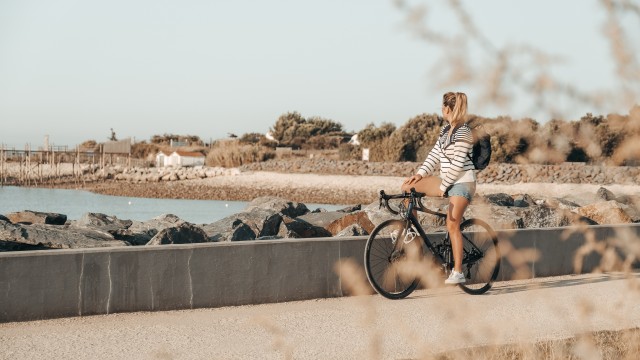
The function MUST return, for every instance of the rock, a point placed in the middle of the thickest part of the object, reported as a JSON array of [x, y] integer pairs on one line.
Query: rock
[[559, 203], [322, 219], [350, 209], [286, 231], [16, 246], [35, 217], [605, 194], [524, 200], [607, 212], [499, 217], [536, 216], [631, 200], [248, 225], [57, 237], [184, 233], [310, 225], [353, 230], [4, 218], [103, 222], [499, 199], [141, 232], [133, 238], [359, 218], [283, 206], [378, 215]]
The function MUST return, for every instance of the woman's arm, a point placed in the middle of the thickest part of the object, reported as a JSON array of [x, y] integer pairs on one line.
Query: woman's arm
[[432, 160]]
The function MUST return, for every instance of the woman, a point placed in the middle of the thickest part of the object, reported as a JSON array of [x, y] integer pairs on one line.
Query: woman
[[457, 177]]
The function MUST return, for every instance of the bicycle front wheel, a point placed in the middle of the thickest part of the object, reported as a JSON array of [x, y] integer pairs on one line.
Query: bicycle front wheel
[[391, 258], [481, 256]]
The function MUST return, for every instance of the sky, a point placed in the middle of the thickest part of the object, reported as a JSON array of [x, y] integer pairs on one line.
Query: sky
[[73, 69]]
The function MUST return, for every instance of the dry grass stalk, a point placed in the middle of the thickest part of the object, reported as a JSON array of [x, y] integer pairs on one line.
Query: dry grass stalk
[[279, 341], [521, 69]]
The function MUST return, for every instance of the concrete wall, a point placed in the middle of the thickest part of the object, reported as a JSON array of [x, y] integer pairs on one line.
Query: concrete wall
[[59, 283]]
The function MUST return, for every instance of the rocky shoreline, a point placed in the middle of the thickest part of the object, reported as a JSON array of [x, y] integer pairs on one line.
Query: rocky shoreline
[[277, 202], [210, 183], [269, 218]]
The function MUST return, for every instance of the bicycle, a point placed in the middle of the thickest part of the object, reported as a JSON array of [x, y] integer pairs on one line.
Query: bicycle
[[392, 253]]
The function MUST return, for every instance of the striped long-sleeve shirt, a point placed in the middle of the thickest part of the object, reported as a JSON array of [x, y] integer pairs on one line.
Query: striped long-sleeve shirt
[[454, 155]]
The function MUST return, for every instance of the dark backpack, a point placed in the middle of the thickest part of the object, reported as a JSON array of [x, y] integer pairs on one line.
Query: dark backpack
[[481, 147]]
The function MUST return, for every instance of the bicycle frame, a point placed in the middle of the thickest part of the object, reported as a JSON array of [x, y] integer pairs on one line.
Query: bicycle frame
[[409, 216]]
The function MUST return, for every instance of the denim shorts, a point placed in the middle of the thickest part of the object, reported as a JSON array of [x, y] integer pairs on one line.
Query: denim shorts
[[465, 189]]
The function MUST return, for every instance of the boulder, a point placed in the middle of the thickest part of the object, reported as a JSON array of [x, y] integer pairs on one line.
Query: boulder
[[350, 209], [359, 218], [608, 212], [141, 232], [605, 194], [499, 217], [16, 246], [559, 203], [57, 237], [184, 233], [321, 219], [36, 217], [309, 226], [4, 218], [287, 228], [248, 225], [500, 199], [378, 215], [283, 206], [103, 222], [353, 230], [523, 200], [631, 200], [536, 216]]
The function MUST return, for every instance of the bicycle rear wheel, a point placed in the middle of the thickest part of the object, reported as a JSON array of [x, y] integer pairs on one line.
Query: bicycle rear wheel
[[481, 256], [391, 259]]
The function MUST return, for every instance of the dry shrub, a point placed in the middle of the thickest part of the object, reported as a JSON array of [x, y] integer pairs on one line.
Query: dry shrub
[[142, 150], [347, 152], [232, 153]]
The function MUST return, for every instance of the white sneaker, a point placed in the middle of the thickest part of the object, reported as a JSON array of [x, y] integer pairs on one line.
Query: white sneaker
[[455, 278]]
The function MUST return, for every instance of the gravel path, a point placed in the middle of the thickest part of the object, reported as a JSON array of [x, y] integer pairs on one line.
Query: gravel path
[[364, 327]]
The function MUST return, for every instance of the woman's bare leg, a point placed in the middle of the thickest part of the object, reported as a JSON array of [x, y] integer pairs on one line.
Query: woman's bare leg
[[457, 206], [429, 185]]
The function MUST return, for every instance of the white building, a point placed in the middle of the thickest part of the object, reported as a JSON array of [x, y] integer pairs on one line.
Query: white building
[[179, 158]]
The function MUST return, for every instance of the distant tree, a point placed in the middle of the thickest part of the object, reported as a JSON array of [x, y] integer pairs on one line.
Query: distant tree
[[286, 126], [166, 139], [414, 140], [251, 138], [291, 129], [113, 136], [371, 133]]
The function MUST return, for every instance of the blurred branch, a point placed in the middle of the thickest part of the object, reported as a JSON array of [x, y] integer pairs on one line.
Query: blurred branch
[[511, 69]]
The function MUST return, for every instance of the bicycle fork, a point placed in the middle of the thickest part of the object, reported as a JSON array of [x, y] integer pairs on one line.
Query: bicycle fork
[[400, 239]]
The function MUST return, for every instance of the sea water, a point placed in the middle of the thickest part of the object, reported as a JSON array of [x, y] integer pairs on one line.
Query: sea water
[[75, 203]]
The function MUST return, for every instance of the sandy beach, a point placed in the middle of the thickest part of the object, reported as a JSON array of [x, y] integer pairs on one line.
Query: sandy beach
[[327, 189]]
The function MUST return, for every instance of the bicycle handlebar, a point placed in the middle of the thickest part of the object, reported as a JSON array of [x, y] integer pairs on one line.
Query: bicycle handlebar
[[413, 194]]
